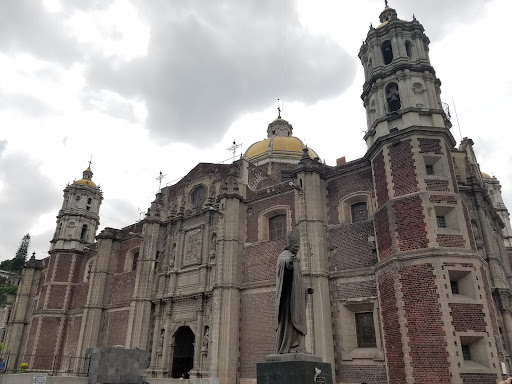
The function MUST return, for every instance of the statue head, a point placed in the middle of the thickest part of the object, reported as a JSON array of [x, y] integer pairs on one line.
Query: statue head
[[293, 241]]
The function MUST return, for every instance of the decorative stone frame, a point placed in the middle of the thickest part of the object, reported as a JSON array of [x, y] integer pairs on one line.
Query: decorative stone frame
[[265, 216], [128, 259], [349, 348], [345, 206], [88, 269]]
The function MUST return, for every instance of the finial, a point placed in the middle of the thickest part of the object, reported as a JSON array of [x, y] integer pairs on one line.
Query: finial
[[33, 255], [413, 17], [90, 161], [278, 110], [386, 2]]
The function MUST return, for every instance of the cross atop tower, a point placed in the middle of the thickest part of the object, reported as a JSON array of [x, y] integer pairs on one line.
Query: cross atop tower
[[233, 148], [386, 2], [160, 177], [90, 162]]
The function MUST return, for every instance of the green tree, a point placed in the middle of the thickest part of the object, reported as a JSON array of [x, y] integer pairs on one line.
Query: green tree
[[21, 255]]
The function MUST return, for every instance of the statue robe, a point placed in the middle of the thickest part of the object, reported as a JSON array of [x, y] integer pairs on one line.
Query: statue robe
[[291, 305]]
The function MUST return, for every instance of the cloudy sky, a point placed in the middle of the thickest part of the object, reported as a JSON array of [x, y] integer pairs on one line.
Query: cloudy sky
[[150, 86]]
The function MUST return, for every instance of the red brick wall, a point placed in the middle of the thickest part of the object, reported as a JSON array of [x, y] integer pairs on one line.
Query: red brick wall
[[391, 328], [126, 246], [80, 292], [29, 346], [42, 297], [340, 187], [427, 343], [72, 335], [374, 374], [260, 260], [410, 224], [430, 145], [117, 324], [63, 267], [438, 199], [379, 177], [403, 169], [437, 185], [257, 207], [57, 296], [468, 317], [48, 337], [355, 290], [382, 231], [350, 246], [478, 378], [451, 241], [51, 264], [122, 287], [258, 323]]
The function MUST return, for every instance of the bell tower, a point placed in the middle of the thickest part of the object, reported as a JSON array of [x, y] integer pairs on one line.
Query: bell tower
[[430, 277], [401, 89], [78, 219]]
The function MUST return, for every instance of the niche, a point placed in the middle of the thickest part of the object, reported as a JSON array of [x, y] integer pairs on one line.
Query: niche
[[393, 97], [387, 52]]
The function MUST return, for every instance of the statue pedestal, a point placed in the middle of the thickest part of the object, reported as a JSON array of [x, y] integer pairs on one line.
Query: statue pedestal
[[293, 368]]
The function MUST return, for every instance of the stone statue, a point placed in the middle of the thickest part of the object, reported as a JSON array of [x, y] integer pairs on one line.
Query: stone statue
[[393, 98], [290, 299]]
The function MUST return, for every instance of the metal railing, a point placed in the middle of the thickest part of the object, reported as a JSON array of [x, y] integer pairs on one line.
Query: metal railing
[[57, 365]]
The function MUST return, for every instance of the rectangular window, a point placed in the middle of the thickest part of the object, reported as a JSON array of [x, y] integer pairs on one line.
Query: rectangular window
[[135, 261], [466, 352], [365, 330], [430, 169], [454, 286], [286, 176], [277, 227], [441, 222], [359, 212]]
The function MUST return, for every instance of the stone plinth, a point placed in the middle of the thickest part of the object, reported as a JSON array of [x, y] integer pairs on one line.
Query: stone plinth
[[117, 365], [293, 368]]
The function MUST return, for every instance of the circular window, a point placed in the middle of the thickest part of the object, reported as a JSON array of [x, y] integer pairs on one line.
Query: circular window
[[198, 196]]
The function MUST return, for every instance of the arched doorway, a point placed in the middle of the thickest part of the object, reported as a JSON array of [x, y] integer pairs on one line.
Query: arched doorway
[[183, 356]]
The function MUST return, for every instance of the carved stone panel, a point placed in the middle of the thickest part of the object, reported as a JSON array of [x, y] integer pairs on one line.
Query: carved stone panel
[[193, 246]]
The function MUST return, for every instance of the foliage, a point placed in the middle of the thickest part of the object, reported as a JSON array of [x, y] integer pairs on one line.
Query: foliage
[[17, 263], [21, 255], [5, 290]]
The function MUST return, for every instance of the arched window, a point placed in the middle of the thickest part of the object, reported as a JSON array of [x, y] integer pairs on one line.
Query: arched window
[[83, 235], [393, 97], [198, 196], [359, 212], [387, 52], [274, 223], [277, 227], [408, 49]]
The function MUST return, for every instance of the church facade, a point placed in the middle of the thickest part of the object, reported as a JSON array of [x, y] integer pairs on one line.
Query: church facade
[[408, 250]]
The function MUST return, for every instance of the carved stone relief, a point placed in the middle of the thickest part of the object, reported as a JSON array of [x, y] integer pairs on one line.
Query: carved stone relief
[[193, 245]]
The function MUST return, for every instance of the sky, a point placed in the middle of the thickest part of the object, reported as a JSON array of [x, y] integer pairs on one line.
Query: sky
[[161, 85]]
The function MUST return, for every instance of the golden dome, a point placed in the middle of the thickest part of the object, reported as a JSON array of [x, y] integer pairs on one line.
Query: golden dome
[[85, 182], [383, 24], [277, 147], [485, 175]]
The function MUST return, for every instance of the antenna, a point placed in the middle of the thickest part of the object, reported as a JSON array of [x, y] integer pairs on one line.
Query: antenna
[[457, 117], [233, 148]]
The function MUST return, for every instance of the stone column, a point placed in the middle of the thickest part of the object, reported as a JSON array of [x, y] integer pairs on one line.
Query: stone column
[[156, 337], [311, 206], [165, 349], [93, 311]]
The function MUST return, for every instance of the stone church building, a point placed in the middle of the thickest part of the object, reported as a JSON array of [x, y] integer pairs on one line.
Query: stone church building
[[407, 248]]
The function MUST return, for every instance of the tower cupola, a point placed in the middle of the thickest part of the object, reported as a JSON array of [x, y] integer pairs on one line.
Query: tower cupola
[[78, 219], [401, 89]]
